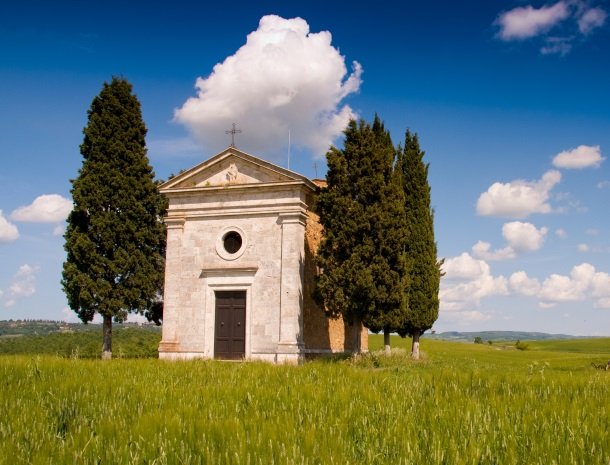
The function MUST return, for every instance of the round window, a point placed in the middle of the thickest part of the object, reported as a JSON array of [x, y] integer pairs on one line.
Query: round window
[[232, 242]]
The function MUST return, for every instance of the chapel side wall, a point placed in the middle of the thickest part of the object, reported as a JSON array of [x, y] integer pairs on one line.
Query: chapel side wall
[[321, 332]]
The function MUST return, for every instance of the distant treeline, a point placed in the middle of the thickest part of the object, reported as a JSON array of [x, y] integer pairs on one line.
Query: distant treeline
[[43, 327], [78, 340]]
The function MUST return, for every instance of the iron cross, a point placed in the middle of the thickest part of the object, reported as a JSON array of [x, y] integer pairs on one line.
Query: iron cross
[[233, 132]]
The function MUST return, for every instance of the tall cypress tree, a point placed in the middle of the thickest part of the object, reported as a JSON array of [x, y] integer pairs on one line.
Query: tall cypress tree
[[360, 279], [424, 269], [389, 262], [115, 239]]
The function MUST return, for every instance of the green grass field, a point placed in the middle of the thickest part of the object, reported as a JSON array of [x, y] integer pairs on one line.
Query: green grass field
[[462, 404]]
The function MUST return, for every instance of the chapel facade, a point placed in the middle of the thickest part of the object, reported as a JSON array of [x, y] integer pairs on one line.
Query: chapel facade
[[240, 267]]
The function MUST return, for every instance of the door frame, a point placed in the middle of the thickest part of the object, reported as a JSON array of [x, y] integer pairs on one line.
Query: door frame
[[243, 294], [226, 279]]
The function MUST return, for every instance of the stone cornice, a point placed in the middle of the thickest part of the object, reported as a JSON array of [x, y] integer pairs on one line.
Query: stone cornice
[[176, 214], [229, 271], [236, 188], [298, 217]]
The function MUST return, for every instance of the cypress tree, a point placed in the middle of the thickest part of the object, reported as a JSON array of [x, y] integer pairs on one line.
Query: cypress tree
[[358, 255], [115, 239], [389, 263], [424, 270]]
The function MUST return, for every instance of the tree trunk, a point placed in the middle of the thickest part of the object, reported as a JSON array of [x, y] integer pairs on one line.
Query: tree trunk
[[415, 348], [107, 341], [386, 342], [357, 343]]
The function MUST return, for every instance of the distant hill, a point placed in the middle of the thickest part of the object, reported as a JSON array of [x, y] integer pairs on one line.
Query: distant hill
[[498, 336]]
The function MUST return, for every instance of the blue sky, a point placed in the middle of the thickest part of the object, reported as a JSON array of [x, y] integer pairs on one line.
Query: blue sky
[[510, 100]]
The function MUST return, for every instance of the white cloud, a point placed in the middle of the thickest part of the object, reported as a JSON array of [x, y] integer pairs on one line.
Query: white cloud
[[467, 281], [51, 208], [464, 267], [8, 231], [570, 20], [583, 248], [59, 230], [519, 198], [583, 156], [283, 79], [584, 282], [523, 237], [559, 288], [592, 232], [483, 250], [522, 284], [526, 21], [561, 233], [23, 284], [591, 19]]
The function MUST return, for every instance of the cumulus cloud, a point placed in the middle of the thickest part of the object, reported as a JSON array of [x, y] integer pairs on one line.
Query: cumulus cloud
[[520, 198], [23, 284], [8, 231], [591, 19], [467, 281], [560, 288], [520, 237], [523, 237], [561, 233], [51, 208], [526, 21], [522, 284], [583, 156], [283, 79], [583, 248], [483, 250], [584, 282]]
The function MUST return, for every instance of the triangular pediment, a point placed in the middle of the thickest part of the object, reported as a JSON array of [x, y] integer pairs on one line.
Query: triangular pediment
[[232, 167]]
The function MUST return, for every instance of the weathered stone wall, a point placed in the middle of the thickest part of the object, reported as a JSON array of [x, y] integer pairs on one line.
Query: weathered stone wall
[[268, 207], [268, 267]]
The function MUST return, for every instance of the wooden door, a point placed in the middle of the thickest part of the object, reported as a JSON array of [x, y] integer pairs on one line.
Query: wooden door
[[230, 326]]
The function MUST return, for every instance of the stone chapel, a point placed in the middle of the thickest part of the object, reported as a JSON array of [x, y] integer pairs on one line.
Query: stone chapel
[[240, 270]]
